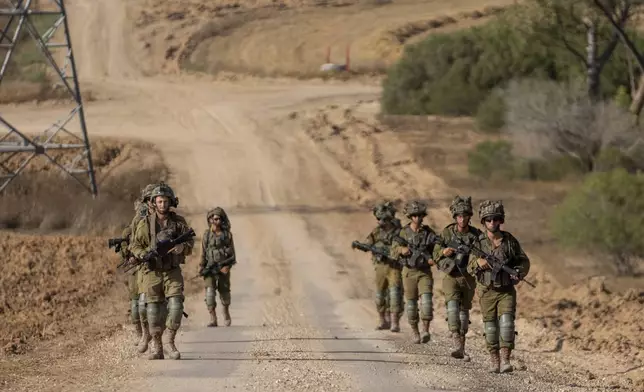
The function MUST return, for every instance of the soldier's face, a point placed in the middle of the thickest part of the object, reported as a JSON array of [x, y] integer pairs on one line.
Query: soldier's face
[[493, 224], [215, 220], [417, 219], [162, 204], [462, 220]]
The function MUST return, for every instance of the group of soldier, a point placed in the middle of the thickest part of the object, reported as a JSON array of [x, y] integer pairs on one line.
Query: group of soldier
[[153, 247], [490, 260], [155, 244]]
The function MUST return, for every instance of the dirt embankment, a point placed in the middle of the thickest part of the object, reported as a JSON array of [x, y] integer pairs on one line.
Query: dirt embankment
[[584, 316], [55, 262]]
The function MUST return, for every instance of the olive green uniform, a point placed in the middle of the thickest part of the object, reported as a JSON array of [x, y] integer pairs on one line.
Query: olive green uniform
[[162, 279], [216, 248], [388, 277], [417, 280]]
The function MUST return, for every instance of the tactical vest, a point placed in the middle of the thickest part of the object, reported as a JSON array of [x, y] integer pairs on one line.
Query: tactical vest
[[502, 278], [171, 260], [384, 239], [457, 265], [218, 246], [415, 239]]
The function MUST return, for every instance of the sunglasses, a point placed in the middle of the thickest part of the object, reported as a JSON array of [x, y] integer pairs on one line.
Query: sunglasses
[[494, 219]]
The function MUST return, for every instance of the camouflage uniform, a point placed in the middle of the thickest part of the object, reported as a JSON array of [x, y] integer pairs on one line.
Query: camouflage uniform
[[388, 273], [216, 248], [162, 276], [497, 295], [458, 284], [417, 280]]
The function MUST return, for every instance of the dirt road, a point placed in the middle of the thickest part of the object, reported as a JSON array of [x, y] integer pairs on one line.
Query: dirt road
[[303, 313]]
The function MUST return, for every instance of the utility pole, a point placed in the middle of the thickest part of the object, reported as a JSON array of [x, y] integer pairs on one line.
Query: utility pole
[[45, 24]]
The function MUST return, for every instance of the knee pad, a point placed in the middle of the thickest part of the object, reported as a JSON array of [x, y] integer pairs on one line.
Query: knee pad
[[427, 307], [394, 299], [175, 312], [412, 310], [453, 322], [491, 333], [210, 297], [143, 315], [506, 327], [225, 298], [464, 316], [155, 317], [380, 299], [134, 311]]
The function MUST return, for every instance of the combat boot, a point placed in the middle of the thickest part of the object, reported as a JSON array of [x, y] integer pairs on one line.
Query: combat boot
[[156, 351], [145, 338], [395, 326], [466, 357], [457, 352], [506, 367], [494, 361], [426, 337], [387, 320], [414, 330], [174, 353], [227, 315], [213, 317], [382, 323], [138, 332]]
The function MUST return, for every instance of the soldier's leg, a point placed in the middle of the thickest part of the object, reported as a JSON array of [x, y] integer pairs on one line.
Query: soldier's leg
[[453, 304], [210, 282], [381, 294], [134, 305], [395, 299], [410, 285], [143, 314], [488, 302], [506, 308], [223, 286], [173, 287], [426, 292], [155, 300], [467, 289]]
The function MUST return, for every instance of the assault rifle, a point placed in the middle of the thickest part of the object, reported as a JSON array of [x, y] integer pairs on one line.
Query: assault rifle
[[497, 265], [163, 248], [380, 253], [419, 252], [214, 268], [115, 243]]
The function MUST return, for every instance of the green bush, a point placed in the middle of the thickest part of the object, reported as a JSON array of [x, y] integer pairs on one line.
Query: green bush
[[490, 116], [453, 73], [492, 159], [606, 213]]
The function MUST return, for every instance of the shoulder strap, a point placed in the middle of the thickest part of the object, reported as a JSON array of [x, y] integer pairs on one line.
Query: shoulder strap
[[153, 231]]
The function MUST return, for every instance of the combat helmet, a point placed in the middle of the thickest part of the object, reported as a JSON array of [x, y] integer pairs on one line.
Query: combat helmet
[[461, 205], [415, 207], [225, 222], [384, 211], [147, 191], [164, 189], [491, 208]]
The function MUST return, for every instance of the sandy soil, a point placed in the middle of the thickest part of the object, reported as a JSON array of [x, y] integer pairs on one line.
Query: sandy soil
[[297, 166]]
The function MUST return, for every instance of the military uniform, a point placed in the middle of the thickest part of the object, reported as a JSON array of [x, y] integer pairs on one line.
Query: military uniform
[[217, 248], [162, 279], [388, 277], [417, 279], [497, 294], [458, 284]]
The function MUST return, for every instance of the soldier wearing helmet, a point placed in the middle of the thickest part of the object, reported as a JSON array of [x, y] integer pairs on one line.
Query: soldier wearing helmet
[[388, 272], [458, 284], [497, 294], [163, 280], [217, 247], [140, 210], [417, 279]]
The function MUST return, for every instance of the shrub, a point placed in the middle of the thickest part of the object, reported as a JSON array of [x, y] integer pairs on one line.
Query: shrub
[[490, 116], [492, 159], [606, 213]]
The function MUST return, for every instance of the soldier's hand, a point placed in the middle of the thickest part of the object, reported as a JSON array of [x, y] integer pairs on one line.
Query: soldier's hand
[[447, 252], [178, 249], [483, 263], [430, 262], [404, 250], [224, 270]]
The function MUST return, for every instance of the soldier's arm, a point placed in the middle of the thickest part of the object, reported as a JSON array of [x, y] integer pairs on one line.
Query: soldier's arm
[[521, 260], [204, 238], [371, 238], [126, 235], [190, 244], [439, 258], [395, 251], [231, 249], [140, 243]]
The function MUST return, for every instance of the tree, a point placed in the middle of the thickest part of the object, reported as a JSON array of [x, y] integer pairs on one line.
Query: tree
[[583, 31]]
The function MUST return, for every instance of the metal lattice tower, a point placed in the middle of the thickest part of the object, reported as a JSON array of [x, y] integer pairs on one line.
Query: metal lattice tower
[[17, 21]]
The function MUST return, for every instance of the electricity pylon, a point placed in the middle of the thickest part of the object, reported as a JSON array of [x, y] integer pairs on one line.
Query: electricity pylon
[[19, 20]]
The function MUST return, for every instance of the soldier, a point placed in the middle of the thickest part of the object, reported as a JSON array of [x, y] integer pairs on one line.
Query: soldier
[[416, 275], [458, 284], [217, 248], [162, 274], [388, 272], [497, 295]]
